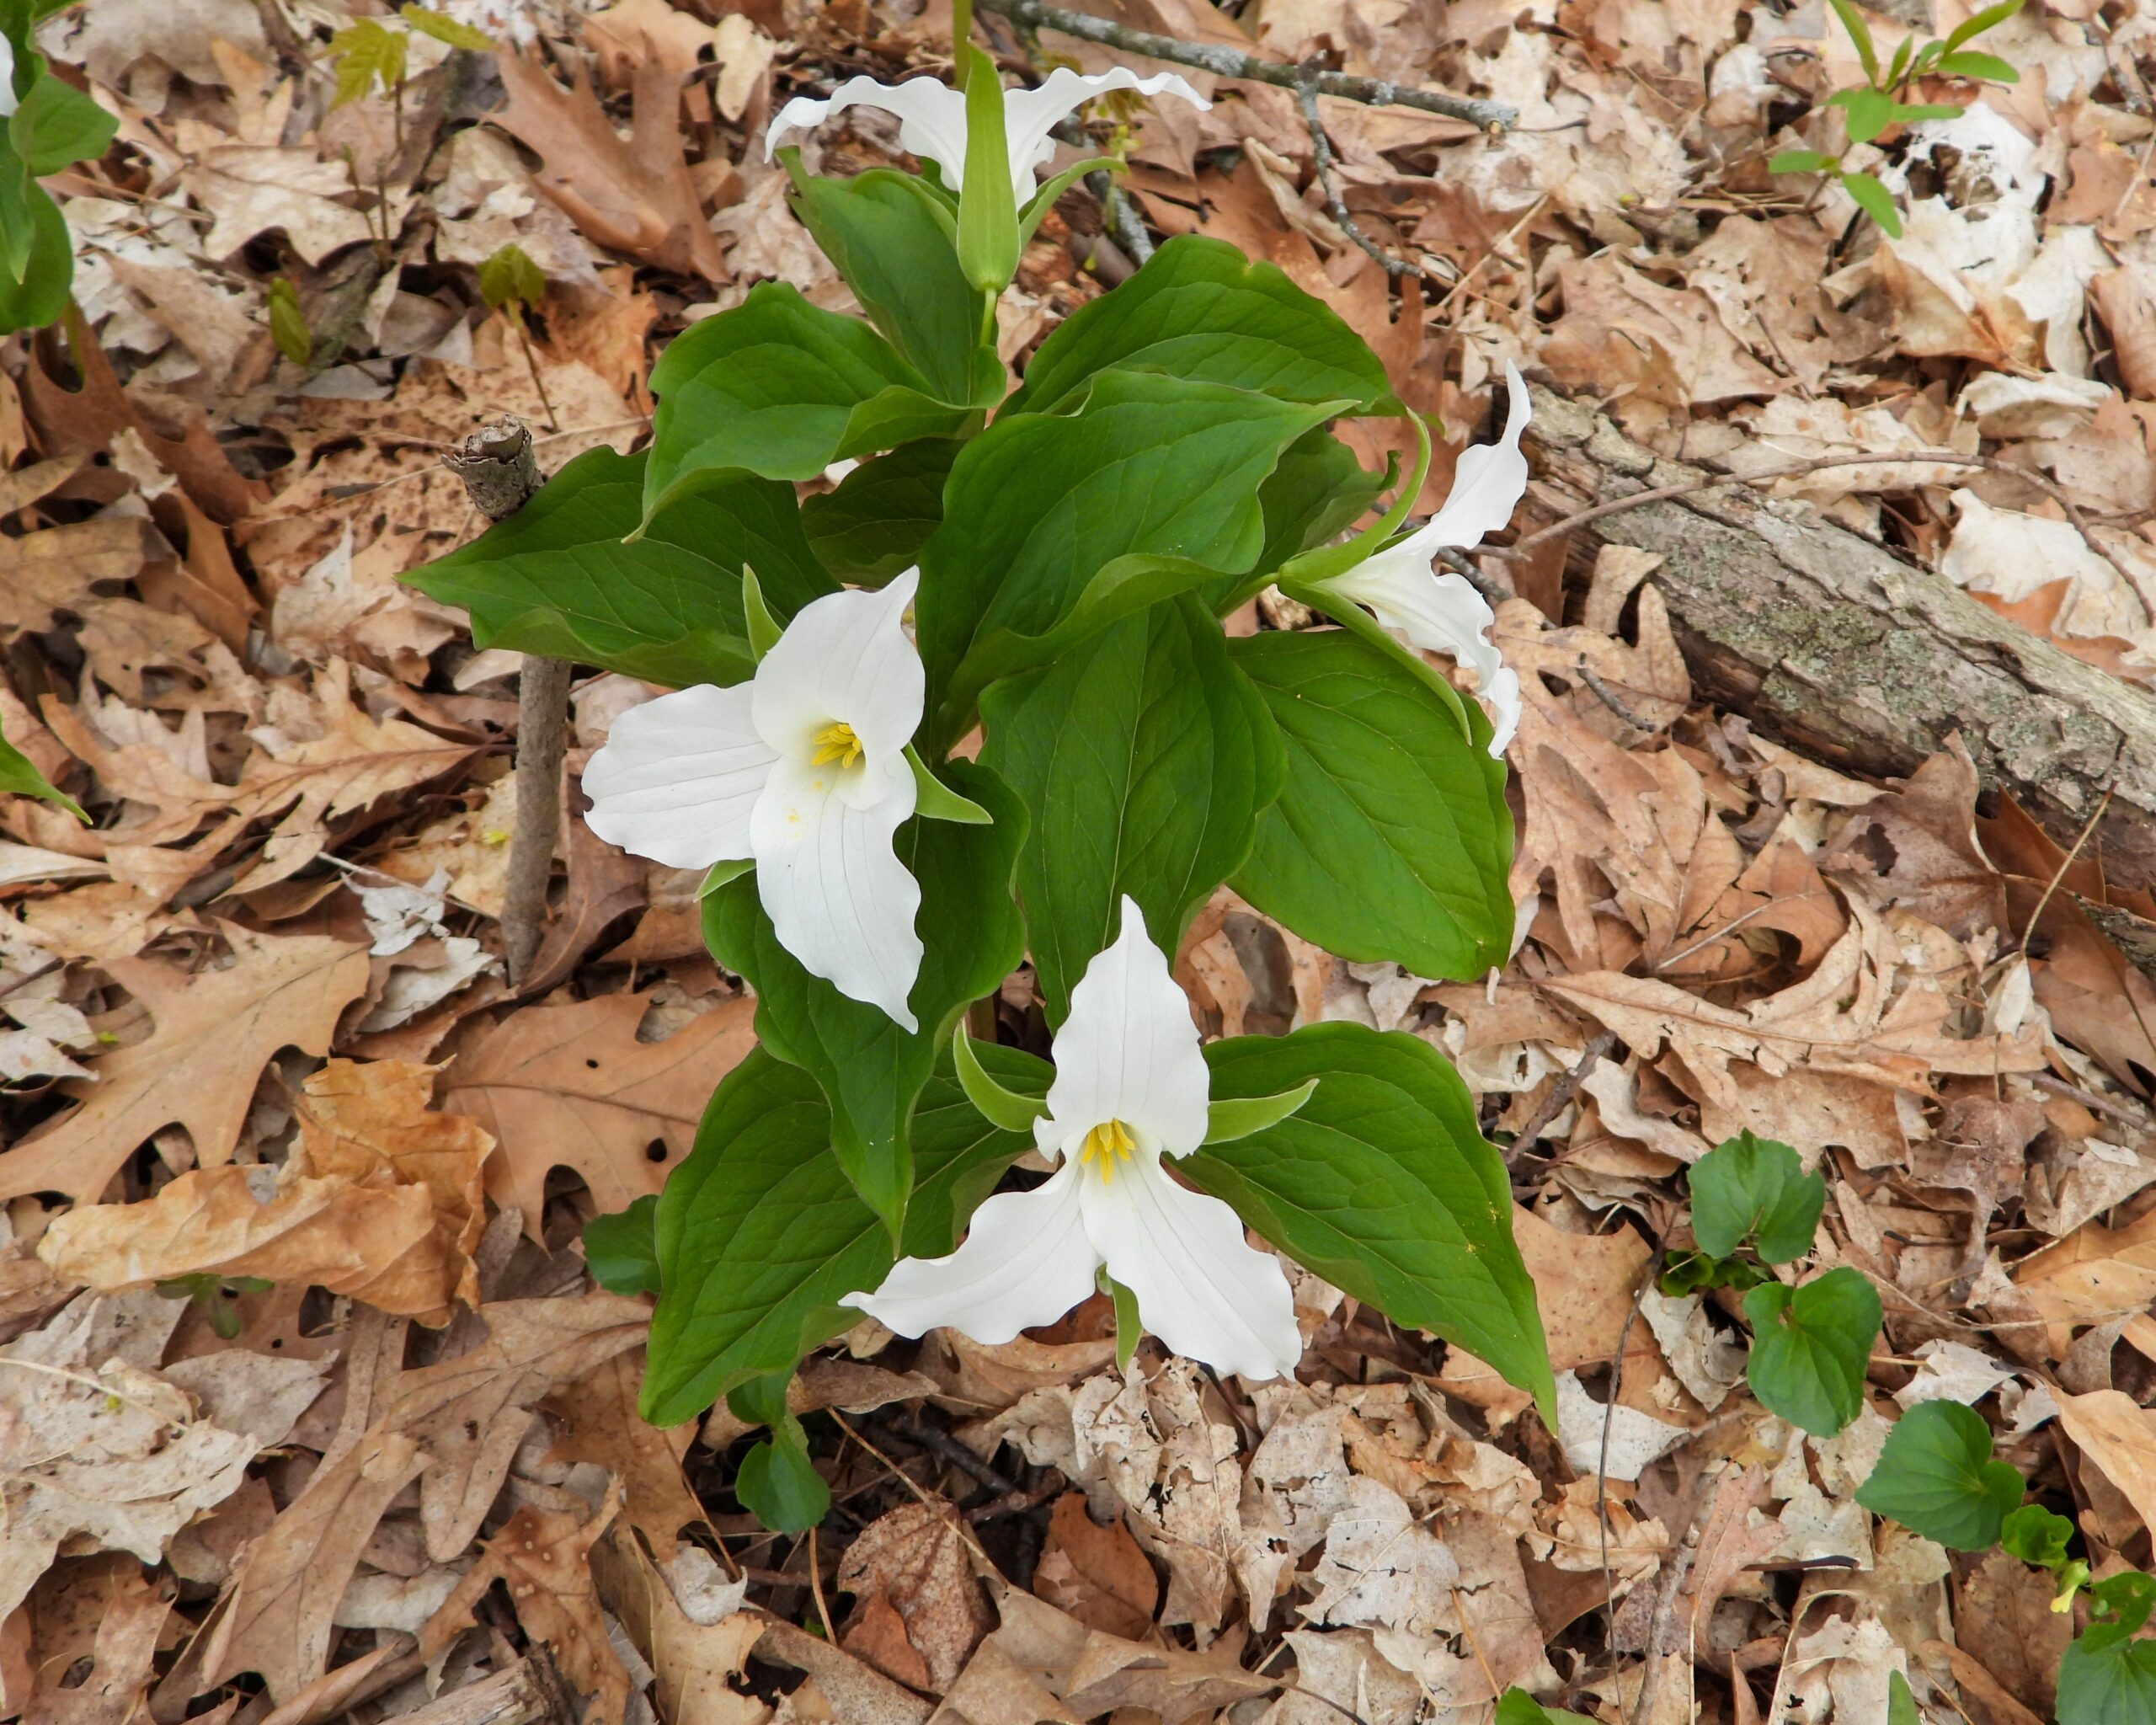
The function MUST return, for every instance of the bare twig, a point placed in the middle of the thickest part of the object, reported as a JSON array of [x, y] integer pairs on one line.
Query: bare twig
[[1674, 1569], [2066, 862], [1121, 214], [501, 474], [1607, 697], [1224, 61], [1602, 1453], [1560, 1093], [1335, 206]]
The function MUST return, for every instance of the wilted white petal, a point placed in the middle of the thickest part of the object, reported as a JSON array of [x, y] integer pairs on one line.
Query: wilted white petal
[[844, 658], [1201, 1289], [931, 118], [838, 899], [1438, 613], [1487, 483], [1026, 1261], [1128, 1051], [679, 776], [1030, 115]]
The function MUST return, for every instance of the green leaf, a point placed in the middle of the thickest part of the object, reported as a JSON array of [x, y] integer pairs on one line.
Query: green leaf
[[1860, 35], [556, 578], [1382, 1184], [288, 323], [1201, 311], [1754, 1189], [1142, 757], [1977, 23], [1316, 491], [1865, 111], [870, 1068], [1901, 1704], [622, 1249], [1390, 839], [1809, 1346], [39, 295], [1007, 1110], [876, 522], [367, 55], [1936, 1476], [2035, 1536], [1876, 202], [760, 1235], [987, 206], [1516, 1706], [1695, 1272], [2106, 1677], [1040, 507], [510, 273], [20, 779], [1225, 1121], [57, 126], [1900, 63], [1799, 162], [777, 1483], [894, 241], [1908, 112], [1969, 62], [20, 217], [780, 388], [444, 28]]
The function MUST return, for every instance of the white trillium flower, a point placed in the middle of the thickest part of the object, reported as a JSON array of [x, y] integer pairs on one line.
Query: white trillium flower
[[932, 115], [802, 770], [1130, 1086], [9, 100], [1443, 612]]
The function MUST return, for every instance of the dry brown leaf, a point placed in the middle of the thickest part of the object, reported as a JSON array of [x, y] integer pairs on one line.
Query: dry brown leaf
[[695, 1658], [2119, 1436], [1097, 1573], [1094, 1674], [380, 1199], [1916, 846], [572, 1086], [115, 1692], [215, 1030], [599, 1424], [919, 1612]]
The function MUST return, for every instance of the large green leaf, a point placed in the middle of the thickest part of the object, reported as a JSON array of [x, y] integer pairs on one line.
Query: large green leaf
[[759, 1234], [780, 388], [1935, 1475], [870, 1068], [57, 126], [1755, 1189], [883, 512], [1809, 1346], [1041, 511], [1390, 839], [555, 578], [1143, 756], [1318, 490], [894, 240], [1382, 1185], [1201, 310]]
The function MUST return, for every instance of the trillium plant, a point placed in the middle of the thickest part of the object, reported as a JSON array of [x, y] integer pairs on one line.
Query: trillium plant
[[951, 696]]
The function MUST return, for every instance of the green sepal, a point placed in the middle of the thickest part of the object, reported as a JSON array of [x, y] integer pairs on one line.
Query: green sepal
[[1006, 1110], [1043, 200], [934, 800], [1129, 1328], [988, 207], [764, 628], [1327, 561], [1238, 1117], [723, 873]]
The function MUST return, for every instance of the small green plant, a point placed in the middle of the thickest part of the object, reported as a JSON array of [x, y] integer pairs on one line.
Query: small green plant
[[288, 323], [1936, 1475], [370, 55], [1516, 1706], [511, 283], [1868, 108], [2107, 1676], [214, 1294], [20, 779], [49, 125]]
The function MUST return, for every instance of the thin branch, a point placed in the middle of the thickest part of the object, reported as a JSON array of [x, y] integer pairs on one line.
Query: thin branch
[[1224, 61], [1121, 214], [1335, 206], [1560, 1093]]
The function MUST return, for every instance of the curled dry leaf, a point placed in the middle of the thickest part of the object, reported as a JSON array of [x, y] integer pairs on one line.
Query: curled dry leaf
[[380, 1199]]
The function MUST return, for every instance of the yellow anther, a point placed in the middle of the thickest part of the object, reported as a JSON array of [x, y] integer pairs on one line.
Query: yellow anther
[[1107, 1144], [835, 742]]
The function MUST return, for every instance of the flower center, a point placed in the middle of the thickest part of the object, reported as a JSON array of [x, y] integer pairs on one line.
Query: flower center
[[835, 742], [1106, 1144]]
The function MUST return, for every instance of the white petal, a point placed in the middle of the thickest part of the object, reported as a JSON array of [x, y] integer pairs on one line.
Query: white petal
[[9, 100], [838, 899], [1488, 481], [931, 118], [845, 658], [1201, 1289], [1026, 1261], [1438, 613], [1128, 1051], [1030, 115], [678, 777]]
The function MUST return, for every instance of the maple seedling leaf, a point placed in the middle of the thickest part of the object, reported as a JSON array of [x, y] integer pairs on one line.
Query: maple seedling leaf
[[367, 55]]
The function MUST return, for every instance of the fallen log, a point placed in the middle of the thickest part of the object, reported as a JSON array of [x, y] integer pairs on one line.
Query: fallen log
[[1834, 645]]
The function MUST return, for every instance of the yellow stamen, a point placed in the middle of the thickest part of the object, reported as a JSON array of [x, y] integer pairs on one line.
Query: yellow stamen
[[1107, 1144], [835, 742]]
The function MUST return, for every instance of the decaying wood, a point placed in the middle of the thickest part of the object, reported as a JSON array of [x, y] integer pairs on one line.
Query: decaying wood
[[500, 471], [530, 1691], [1839, 649]]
